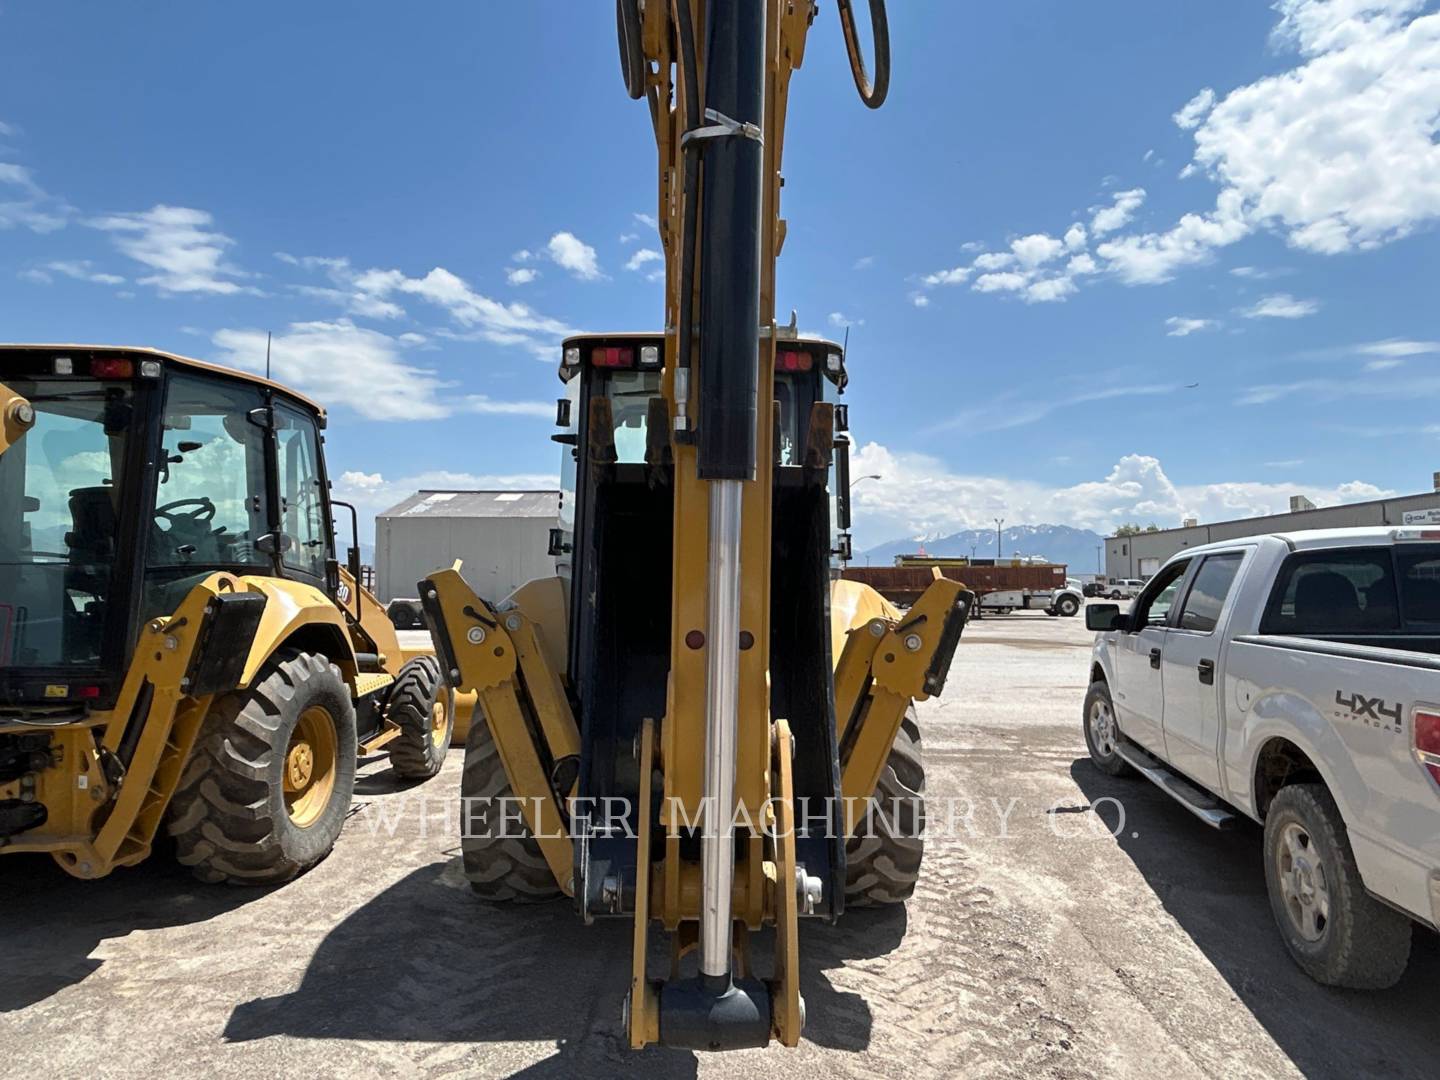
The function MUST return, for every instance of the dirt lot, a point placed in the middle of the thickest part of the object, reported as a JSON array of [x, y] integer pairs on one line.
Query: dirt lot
[[1039, 945]]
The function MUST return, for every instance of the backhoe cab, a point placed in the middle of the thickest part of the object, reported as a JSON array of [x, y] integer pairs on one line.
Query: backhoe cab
[[178, 643]]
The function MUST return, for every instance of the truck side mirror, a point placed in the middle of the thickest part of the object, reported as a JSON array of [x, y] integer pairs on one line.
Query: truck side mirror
[[1104, 617]]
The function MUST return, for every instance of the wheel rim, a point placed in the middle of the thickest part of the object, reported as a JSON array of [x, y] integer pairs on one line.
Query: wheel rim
[[1304, 885], [1102, 729], [440, 718], [310, 766]]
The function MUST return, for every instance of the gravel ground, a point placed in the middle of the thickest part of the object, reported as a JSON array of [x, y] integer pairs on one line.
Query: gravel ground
[[1038, 944]]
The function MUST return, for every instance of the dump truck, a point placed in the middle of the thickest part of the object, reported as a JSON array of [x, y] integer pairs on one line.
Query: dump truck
[[1001, 586], [686, 726], [179, 645]]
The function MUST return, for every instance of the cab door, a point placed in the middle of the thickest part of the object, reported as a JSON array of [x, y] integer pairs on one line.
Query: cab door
[[1139, 693], [1190, 665]]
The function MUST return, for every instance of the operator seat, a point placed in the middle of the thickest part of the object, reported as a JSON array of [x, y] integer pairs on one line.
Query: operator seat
[[92, 515]]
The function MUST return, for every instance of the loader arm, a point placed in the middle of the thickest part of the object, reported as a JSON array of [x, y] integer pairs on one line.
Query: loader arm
[[17, 416]]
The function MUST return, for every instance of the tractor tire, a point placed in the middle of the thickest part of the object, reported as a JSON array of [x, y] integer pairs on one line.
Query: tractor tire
[[424, 708], [1331, 926], [883, 858], [268, 785], [502, 869]]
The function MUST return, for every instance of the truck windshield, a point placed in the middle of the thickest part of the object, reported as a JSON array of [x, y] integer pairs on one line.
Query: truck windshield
[[61, 488]]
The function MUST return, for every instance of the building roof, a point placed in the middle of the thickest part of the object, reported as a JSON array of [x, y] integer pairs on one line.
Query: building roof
[[477, 504], [1259, 522]]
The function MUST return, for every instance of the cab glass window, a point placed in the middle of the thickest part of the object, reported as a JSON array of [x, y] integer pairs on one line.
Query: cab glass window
[[302, 496], [1419, 584], [1206, 599], [1155, 603], [1334, 592], [630, 393]]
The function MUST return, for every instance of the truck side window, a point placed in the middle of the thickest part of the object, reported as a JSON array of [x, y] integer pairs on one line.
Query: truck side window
[[1207, 596], [1154, 606], [1334, 592], [1420, 585]]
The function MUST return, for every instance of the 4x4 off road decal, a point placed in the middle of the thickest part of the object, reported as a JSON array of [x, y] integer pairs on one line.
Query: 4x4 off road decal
[[1372, 712]]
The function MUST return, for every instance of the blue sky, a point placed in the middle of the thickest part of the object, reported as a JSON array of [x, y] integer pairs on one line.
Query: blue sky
[[1063, 216]]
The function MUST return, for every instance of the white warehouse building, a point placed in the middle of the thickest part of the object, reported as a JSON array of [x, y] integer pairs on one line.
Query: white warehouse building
[[502, 537]]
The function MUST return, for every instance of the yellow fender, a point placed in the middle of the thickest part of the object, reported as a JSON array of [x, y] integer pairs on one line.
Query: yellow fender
[[296, 609]]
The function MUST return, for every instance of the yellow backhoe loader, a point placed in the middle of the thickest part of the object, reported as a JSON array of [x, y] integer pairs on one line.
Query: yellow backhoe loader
[[178, 643], [686, 725]]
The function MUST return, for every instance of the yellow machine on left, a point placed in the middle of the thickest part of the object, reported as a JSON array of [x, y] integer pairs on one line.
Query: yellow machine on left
[[178, 642]]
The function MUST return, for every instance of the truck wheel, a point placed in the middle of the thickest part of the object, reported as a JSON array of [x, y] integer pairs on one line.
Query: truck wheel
[[268, 785], [423, 706], [1102, 734], [1067, 606], [883, 858], [1334, 930], [508, 868]]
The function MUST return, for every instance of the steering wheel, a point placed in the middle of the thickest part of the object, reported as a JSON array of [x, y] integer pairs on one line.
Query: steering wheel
[[203, 513]]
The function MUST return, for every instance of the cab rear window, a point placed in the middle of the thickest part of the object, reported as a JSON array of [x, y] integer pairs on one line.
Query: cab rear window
[[1359, 591]]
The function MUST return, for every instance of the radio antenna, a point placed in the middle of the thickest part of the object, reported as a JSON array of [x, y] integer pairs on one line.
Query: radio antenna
[[267, 352]]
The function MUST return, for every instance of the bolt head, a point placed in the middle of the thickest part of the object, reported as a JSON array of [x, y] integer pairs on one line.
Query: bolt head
[[512, 622], [475, 635], [171, 642], [24, 414], [877, 628], [913, 642]]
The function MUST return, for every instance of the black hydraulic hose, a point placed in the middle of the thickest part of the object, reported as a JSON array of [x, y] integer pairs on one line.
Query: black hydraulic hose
[[632, 55], [871, 93], [685, 334]]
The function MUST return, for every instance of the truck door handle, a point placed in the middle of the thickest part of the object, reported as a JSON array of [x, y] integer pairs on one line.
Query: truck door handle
[[1155, 658], [1207, 672]]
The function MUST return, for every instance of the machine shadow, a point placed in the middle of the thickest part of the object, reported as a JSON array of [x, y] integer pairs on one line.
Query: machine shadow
[[1213, 884], [425, 961], [66, 919]]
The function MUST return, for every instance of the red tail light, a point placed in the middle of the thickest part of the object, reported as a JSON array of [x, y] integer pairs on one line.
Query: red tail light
[[87, 691], [112, 367], [793, 361], [610, 356], [1427, 741]]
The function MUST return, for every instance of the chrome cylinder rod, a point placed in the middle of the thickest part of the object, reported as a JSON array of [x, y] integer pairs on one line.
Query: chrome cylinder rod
[[722, 719]]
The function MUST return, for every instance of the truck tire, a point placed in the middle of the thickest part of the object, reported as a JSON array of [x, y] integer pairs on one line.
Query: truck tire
[[501, 869], [1067, 606], [268, 785], [1102, 733], [1333, 929], [883, 858], [423, 707]]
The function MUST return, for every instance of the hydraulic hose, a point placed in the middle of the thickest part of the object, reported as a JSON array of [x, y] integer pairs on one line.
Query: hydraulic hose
[[871, 93], [685, 333]]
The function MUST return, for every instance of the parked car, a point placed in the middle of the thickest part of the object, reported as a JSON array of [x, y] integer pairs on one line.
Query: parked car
[[1125, 589], [1093, 589], [1295, 680]]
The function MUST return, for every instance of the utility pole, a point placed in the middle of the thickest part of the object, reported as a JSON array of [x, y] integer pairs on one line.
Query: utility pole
[[1099, 566], [999, 525]]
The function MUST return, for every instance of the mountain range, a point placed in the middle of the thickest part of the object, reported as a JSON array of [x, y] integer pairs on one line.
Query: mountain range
[[1076, 548]]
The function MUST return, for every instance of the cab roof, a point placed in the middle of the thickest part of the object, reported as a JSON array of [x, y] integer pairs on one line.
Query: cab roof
[[658, 335], [145, 352]]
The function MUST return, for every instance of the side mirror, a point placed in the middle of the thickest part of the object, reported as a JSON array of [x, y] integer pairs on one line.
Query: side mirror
[[274, 543], [1103, 617]]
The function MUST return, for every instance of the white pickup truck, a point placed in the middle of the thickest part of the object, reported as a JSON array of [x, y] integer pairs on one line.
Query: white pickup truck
[[1295, 679]]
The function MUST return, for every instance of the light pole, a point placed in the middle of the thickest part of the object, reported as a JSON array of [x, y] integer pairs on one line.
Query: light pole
[[1099, 566], [999, 525]]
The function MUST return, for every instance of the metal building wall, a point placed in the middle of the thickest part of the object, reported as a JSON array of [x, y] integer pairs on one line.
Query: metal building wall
[[499, 554]]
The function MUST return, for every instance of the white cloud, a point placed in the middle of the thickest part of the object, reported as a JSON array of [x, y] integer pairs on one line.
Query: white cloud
[[647, 220], [1036, 249], [1383, 365], [1398, 347], [341, 364], [1083, 263], [1027, 405], [1195, 110], [1182, 326], [1281, 306], [920, 300], [521, 275], [1256, 273], [993, 260], [629, 237], [953, 276], [8, 130], [920, 495], [178, 243], [840, 321], [1049, 290], [571, 253], [641, 257], [1006, 281], [863, 263], [25, 204], [1076, 237], [524, 255], [78, 269], [1118, 214]]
